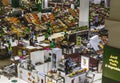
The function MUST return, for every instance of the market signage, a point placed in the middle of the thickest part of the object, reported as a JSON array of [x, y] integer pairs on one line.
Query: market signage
[[85, 62], [111, 63], [78, 40]]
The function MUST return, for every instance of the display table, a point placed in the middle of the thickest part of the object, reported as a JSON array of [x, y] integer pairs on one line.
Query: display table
[[77, 78], [25, 75], [33, 73], [67, 46], [54, 77], [31, 76], [50, 79], [40, 45], [45, 67]]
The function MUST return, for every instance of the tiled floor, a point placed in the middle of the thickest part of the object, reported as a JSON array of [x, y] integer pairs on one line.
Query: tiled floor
[[5, 62], [98, 78], [6, 80]]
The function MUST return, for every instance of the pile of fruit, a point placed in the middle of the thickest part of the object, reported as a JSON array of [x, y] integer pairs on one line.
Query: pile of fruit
[[81, 28], [77, 72]]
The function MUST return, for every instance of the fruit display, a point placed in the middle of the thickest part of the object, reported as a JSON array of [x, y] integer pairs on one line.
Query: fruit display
[[54, 76], [28, 18], [69, 20], [43, 27], [60, 19], [100, 12], [81, 28], [35, 17], [32, 18], [58, 26], [77, 72], [12, 20], [44, 18], [74, 12], [51, 17], [5, 2]]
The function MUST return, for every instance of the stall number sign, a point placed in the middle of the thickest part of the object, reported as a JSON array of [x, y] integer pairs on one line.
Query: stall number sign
[[78, 40]]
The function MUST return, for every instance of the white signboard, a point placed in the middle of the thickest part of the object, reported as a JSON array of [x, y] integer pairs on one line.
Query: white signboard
[[85, 62]]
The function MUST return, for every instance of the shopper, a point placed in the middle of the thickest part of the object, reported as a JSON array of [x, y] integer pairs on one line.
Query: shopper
[[6, 51], [52, 43], [96, 21], [10, 50], [31, 42], [46, 36]]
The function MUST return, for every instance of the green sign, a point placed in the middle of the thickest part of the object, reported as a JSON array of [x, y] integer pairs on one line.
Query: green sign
[[111, 63], [78, 40]]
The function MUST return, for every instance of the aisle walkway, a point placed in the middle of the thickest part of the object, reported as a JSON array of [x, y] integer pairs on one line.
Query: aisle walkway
[[6, 80], [98, 78], [4, 62]]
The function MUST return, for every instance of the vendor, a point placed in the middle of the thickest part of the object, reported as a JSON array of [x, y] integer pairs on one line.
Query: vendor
[[52, 43], [68, 65], [49, 30], [31, 41], [6, 51], [10, 50], [66, 37], [96, 21], [46, 36]]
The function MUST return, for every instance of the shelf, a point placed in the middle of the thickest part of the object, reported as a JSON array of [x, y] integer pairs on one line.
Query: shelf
[[61, 3]]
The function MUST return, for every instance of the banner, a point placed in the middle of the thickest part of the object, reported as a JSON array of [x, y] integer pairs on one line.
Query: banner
[[111, 63]]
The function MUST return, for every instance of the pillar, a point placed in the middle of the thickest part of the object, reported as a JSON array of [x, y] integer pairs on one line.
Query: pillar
[[45, 3], [84, 13]]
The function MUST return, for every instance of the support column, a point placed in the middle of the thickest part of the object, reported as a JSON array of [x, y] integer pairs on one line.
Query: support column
[[84, 13], [107, 3], [45, 3]]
